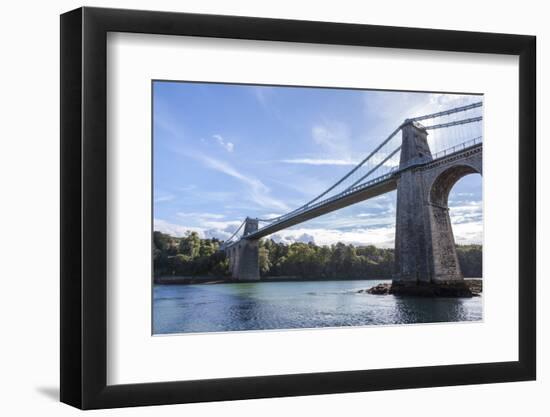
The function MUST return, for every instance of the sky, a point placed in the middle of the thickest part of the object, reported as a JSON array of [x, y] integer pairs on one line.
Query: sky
[[223, 152]]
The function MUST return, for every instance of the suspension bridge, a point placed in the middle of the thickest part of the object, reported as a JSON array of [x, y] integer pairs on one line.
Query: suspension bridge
[[422, 158]]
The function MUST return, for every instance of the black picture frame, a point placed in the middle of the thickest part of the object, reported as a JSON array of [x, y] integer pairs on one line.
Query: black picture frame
[[84, 207]]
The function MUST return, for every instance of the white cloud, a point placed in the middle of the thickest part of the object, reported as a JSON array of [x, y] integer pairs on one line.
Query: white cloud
[[379, 157], [333, 137], [382, 236], [213, 222], [465, 194], [367, 215], [165, 123], [307, 187], [390, 112], [220, 230], [270, 215], [262, 94], [468, 233], [465, 209], [313, 161], [187, 188], [258, 192], [385, 111], [255, 191], [467, 221], [336, 222], [161, 197], [227, 226], [289, 239], [228, 146], [369, 229], [175, 230], [446, 101], [202, 215]]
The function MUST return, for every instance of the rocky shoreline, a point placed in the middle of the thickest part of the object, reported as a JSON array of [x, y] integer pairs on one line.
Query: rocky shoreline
[[469, 288]]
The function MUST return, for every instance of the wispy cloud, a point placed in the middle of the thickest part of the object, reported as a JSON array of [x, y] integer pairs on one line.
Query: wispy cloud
[[270, 215], [262, 94], [201, 215], [187, 188], [387, 110], [307, 187], [313, 161], [332, 137], [161, 197], [367, 214], [225, 144], [256, 190], [209, 221]]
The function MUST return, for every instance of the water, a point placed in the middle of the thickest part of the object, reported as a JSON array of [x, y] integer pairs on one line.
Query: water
[[294, 305]]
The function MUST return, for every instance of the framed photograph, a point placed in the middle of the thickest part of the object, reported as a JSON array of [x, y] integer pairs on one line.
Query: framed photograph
[[258, 207]]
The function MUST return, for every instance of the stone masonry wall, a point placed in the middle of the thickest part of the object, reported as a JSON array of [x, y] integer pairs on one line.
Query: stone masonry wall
[[424, 246]]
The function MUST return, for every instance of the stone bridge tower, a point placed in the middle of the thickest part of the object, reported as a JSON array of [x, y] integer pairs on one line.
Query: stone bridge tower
[[426, 261], [244, 255]]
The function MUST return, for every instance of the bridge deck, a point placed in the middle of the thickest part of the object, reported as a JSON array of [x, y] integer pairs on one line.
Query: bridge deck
[[384, 186]]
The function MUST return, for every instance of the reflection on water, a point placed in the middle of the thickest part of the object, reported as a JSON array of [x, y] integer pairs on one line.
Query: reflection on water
[[293, 305]]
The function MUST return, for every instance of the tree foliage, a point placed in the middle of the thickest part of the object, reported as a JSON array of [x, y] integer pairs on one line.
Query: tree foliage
[[187, 256], [193, 256], [338, 261], [470, 259]]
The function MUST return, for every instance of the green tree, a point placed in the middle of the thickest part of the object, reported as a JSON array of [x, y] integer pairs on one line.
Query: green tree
[[190, 245], [207, 248], [192, 256], [470, 258], [265, 264]]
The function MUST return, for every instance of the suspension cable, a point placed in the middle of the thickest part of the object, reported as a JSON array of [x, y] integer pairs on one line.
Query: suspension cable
[[235, 232], [455, 123], [447, 112], [375, 168], [372, 153]]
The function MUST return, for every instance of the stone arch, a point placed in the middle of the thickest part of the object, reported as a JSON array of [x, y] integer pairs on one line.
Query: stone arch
[[445, 181], [445, 260]]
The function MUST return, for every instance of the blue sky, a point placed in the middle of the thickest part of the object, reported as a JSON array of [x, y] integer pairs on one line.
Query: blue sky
[[223, 152]]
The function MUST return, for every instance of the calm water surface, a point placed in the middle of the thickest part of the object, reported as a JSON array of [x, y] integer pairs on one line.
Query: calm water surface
[[293, 305]]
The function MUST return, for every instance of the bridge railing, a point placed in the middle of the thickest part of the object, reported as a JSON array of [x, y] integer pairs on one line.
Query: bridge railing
[[457, 148]]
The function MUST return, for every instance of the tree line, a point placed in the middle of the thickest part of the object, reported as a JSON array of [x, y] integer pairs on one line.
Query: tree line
[[193, 256]]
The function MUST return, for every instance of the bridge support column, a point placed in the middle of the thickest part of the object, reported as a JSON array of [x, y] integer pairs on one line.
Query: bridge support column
[[244, 255], [425, 255]]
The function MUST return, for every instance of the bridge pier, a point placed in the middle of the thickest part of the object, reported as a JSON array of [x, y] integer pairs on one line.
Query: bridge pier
[[244, 255], [426, 261]]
